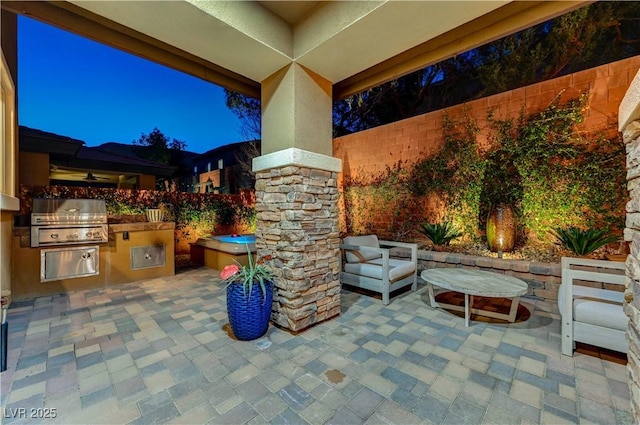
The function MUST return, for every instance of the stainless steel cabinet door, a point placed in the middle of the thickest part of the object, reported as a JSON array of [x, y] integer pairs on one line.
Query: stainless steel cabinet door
[[69, 262]]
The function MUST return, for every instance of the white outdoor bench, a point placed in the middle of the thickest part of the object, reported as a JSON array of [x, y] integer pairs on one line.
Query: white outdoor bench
[[592, 315]]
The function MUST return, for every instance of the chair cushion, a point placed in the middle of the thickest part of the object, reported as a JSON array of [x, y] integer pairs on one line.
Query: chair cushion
[[601, 314], [358, 256], [373, 268], [597, 312]]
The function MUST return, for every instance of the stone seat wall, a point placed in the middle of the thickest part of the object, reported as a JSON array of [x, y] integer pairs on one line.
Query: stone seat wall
[[543, 278]]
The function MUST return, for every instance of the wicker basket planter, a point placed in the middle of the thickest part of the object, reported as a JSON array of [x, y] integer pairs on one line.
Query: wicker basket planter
[[249, 313]]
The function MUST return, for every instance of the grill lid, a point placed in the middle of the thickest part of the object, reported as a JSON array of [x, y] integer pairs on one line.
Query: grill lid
[[68, 211]]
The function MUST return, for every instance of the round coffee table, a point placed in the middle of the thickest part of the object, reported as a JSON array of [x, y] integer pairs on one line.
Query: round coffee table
[[472, 282]]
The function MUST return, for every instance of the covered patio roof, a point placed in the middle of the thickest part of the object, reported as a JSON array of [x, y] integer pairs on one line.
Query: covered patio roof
[[353, 44]]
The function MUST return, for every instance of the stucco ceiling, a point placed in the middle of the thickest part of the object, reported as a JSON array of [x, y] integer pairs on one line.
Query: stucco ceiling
[[335, 39], [238, 44], [292, 11]]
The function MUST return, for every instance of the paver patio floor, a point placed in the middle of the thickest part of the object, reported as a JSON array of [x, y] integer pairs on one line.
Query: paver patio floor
[[157, 351]]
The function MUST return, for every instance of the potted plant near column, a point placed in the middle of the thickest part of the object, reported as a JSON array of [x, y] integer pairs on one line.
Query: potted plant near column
[[249, 297]]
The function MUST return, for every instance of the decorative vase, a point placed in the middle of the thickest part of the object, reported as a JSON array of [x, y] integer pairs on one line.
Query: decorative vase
[[249, 313], [154, 214], [501, 228]]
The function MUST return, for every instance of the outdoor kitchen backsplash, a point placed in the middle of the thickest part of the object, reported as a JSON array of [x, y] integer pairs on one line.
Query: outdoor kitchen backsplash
[[194, 214]]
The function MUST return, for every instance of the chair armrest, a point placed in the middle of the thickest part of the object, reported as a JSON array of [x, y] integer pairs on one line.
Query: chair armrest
[[396, 243], [412, 246], [605, 295], [383, 251], [364, 248], [570, 291]]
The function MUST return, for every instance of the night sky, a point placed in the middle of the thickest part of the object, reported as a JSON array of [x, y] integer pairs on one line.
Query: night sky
[[75, 87]]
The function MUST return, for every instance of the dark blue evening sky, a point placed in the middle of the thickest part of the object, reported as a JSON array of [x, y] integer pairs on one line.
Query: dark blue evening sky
[[75, 87]]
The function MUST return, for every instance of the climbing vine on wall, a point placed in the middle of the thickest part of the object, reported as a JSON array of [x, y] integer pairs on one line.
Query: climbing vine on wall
[[381, 203], [559, 176], [454, 174], [552, 174]]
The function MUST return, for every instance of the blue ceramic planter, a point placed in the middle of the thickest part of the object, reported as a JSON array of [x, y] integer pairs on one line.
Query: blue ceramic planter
[[249, 314]]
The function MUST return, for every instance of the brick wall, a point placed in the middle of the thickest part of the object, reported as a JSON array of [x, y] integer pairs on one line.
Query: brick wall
[[371, 151]]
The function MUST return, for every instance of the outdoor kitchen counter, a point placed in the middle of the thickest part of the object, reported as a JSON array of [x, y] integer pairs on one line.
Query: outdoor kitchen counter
[[134, 251], [141, 226], [24, 233]]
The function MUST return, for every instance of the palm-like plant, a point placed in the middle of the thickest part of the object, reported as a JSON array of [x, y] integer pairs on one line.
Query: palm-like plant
[[256, 272], [583, 242], [440, 233]]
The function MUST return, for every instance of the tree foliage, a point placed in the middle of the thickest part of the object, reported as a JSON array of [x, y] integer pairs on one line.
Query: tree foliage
[[600, 33], [159, 148], [593, 35], [248, 110]]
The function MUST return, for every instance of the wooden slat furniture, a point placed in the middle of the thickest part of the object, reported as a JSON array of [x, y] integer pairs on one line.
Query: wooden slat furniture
[[366, 264], [592, 315]]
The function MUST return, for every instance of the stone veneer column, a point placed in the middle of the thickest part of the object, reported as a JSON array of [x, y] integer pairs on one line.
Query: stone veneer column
[[629, 119], [297, 225]]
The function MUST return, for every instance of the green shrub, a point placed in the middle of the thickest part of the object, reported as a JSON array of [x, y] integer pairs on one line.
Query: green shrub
[[440, 233], [583, 242]]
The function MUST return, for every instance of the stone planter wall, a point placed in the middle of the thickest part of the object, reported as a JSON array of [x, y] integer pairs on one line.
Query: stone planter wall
[[543, 278]]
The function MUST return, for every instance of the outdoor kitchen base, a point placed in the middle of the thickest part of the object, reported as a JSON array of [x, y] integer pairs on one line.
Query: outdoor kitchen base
[[114, 260], [69, 262]]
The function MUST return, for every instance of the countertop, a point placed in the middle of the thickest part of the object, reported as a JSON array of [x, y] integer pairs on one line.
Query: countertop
[[115, 227], [24, 233]]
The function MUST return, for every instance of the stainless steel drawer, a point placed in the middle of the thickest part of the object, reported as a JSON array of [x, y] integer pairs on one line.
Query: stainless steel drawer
[[69, 262], [143, 257]]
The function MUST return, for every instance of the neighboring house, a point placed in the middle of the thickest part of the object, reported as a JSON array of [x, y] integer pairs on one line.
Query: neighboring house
[[177, 159], [51, 159], [225, 169]]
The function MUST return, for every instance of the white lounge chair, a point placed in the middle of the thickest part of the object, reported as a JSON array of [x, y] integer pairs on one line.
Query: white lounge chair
[[592, 315], [366, 264]]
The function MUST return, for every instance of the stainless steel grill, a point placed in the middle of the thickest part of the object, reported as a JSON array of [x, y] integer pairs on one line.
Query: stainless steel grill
[[68, 222]]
